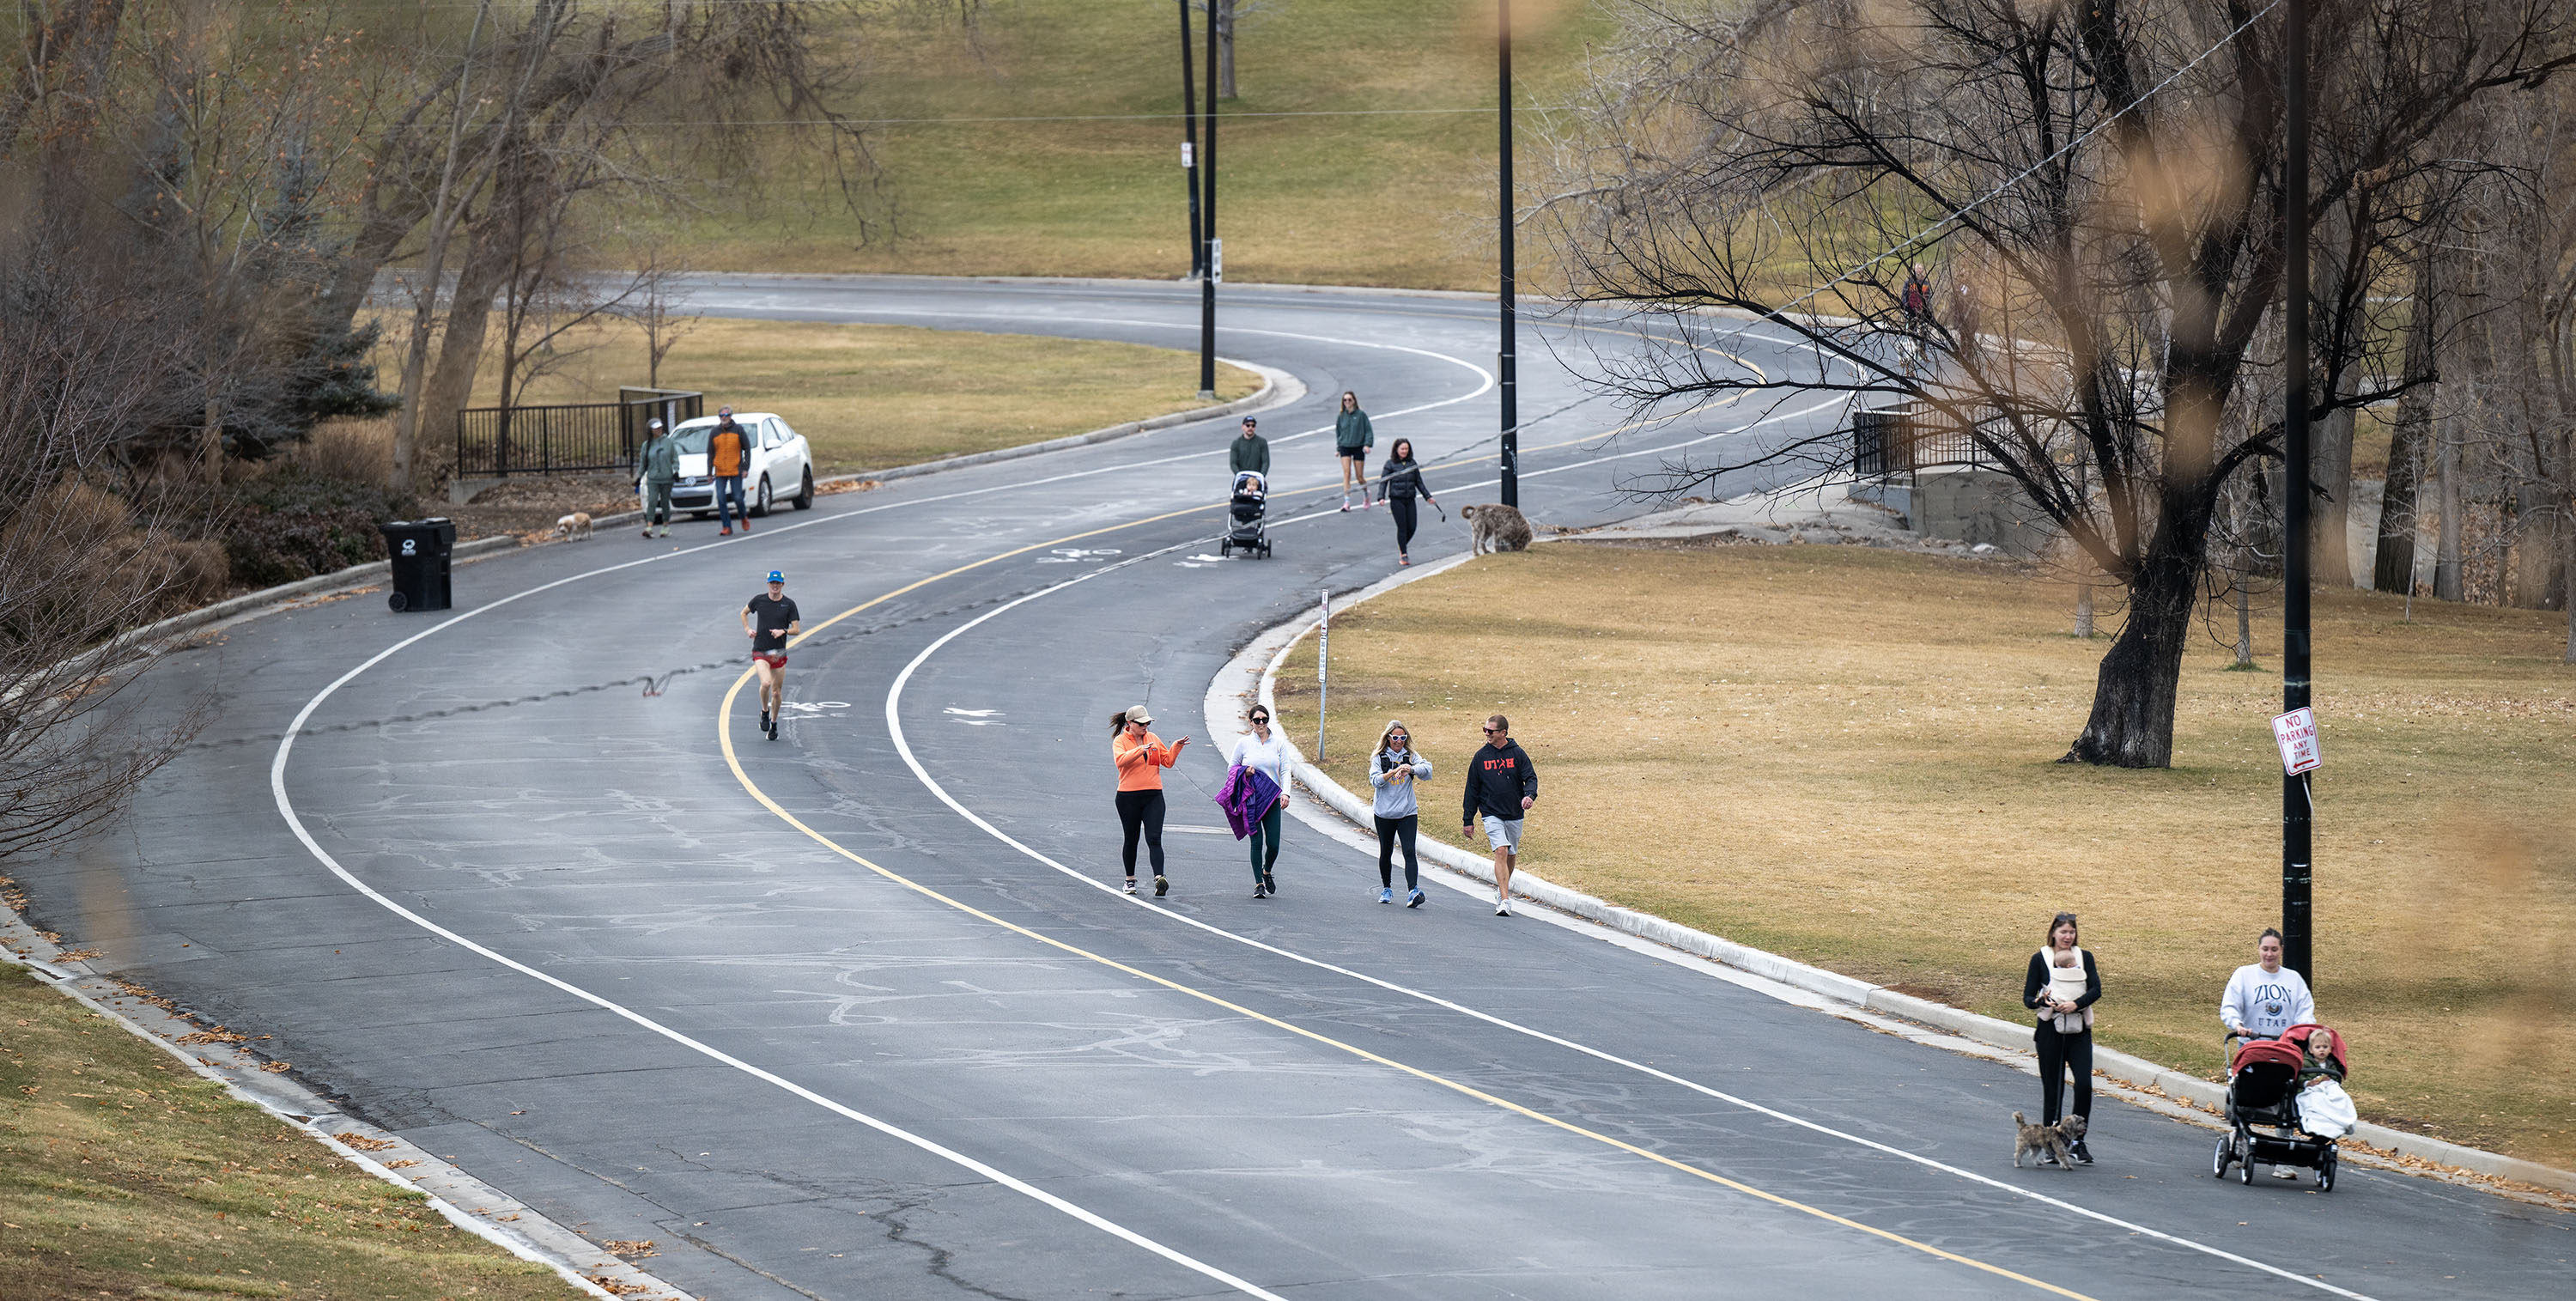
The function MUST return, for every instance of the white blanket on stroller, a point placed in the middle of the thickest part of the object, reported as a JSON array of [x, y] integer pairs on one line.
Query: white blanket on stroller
[[2326, 1111]]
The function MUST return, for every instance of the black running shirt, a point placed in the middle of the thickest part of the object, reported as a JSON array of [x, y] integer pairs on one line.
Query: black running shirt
[[769, 619]]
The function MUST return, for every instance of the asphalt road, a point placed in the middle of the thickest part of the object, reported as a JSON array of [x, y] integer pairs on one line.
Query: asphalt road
[[858, 1013]]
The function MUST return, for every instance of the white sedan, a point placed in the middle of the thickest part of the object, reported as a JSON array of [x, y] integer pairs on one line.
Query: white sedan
[[781, 464]]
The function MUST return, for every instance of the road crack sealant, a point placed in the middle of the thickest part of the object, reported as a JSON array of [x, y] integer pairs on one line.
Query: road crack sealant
[[921, 773], [295, 823]]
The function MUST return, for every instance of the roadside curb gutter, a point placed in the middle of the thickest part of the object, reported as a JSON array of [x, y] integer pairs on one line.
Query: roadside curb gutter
[[1252, 673], [467, 1202]]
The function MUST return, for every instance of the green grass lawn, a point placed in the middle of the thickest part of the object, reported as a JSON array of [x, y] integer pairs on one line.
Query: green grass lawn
[[1847, 755], [1387, 198], [123, 1175]]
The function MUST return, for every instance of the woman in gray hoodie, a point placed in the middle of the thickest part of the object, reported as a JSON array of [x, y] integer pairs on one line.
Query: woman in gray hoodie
[[1392, 771]]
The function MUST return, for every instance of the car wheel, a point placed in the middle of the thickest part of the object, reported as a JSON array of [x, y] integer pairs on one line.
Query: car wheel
[[804, 498], [760, 500]]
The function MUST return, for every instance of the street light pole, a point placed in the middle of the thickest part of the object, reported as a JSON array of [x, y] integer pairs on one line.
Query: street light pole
[[1212, 265], [1507, 367], [2298, 805], [1190, 146]]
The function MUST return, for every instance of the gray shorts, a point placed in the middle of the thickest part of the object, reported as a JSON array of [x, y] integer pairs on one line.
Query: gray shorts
[[1503, 833]]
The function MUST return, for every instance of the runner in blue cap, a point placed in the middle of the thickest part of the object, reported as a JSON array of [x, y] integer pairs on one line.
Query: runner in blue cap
[[769, 620]]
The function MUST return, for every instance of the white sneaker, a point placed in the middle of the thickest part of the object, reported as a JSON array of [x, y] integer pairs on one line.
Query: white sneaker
[[1502, 907]]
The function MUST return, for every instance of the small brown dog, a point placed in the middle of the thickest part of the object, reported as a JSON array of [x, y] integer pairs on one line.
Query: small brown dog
[[575, 525], [1496, 528], [2051, 1142]]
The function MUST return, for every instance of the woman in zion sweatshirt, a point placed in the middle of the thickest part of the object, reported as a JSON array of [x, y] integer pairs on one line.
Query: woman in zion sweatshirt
[[1392, 771]]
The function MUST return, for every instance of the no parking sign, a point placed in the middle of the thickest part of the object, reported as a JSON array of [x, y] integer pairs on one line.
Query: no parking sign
[[2296, 733]]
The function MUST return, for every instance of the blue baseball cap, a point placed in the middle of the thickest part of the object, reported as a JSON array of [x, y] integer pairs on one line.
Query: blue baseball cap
[[777, 577]]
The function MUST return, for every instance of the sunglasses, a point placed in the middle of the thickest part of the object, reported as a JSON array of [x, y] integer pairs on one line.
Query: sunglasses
[[1489, 731], [1261, 718]]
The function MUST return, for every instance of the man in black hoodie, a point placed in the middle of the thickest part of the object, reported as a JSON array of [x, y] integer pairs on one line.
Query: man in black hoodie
[[1502, 784]]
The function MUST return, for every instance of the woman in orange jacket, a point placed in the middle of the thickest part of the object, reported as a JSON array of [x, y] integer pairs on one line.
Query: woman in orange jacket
[[1141, 757]]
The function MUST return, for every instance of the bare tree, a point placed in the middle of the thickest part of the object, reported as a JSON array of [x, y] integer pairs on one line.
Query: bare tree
[[572, 107], [656, 306], [85, 362], [2111, 167]]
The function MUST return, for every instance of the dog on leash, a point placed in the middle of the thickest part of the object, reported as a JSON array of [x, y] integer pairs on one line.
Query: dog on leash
[[575, 525], [2052, 1142], [1496, 528]]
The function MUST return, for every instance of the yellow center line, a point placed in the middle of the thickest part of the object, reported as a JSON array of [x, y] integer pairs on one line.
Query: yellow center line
[[724, 739]]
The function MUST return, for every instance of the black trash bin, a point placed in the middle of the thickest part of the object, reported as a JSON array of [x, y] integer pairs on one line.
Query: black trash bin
[[419, 550]]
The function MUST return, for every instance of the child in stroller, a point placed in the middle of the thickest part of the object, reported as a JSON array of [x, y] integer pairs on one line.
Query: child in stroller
[[1244, 531], [2264, 1084]]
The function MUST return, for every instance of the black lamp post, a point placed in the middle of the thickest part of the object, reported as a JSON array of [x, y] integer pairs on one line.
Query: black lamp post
[[2298, 807], [1506, 368], [1190, 147], [1212, 262]]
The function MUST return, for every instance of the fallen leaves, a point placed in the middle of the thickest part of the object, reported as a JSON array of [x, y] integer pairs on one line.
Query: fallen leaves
[[636, 1248], [404, 1164], [278, 1068], [218, 1035], [613, 1287], [363, 1143]]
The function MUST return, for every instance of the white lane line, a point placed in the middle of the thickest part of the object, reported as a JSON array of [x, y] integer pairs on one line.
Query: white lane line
[[894, 725], [286, 810]]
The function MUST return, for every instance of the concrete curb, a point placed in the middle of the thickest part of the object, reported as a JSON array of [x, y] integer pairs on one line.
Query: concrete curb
[[1227, 698], [466, 1202]]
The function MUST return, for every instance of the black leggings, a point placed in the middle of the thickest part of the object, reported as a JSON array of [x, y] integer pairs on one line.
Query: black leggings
[[1403, 510], [1142, 811], [2059, 1053], [1390, 833]]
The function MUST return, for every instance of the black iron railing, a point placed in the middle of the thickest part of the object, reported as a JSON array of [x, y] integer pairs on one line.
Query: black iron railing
[[1896, 440], [582, 437]]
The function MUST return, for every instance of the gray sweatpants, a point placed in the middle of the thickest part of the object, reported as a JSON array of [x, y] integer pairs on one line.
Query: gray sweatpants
[[657, 501]]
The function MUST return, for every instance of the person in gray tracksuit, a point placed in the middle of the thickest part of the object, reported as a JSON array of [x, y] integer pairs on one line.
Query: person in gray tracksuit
[[1392, 771], [657, 464]]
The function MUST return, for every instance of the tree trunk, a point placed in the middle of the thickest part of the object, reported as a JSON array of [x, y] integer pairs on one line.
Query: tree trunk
[[2446, 479], [2330, 515], [460, 347], [2133, 697], [1224, 19], [2394, 570]]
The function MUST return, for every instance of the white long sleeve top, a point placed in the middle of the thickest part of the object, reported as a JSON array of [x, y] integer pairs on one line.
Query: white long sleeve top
[[2266, 1002]]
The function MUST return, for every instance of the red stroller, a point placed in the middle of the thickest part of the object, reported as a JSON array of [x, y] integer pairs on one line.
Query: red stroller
[[2263, 1086]]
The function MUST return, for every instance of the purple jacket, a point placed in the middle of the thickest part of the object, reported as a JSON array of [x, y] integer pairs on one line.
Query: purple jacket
[[1246, 798]]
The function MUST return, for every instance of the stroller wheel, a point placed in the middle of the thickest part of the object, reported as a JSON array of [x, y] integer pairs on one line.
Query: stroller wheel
[[1225, 548], [2223, 1157], [2326, 1171], [1265, 549], [2245, 1166]]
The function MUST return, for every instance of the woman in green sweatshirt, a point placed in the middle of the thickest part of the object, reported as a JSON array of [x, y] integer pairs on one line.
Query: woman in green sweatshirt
[[1353, 438]]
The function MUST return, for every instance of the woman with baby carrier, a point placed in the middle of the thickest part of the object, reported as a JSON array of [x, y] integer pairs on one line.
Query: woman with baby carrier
[[2062, 987], [1141, 756]]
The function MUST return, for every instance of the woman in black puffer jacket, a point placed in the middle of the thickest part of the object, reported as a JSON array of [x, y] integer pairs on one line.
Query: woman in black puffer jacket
[[1397, 485]]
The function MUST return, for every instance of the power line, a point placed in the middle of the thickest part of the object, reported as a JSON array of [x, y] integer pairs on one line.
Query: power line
[[1088, 117]]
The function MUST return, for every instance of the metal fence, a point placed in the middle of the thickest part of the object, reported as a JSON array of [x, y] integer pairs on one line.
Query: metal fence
[[1898, 440], [575, 438]]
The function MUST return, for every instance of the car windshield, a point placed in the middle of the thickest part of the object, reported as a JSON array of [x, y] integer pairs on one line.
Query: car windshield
[[693, 436]]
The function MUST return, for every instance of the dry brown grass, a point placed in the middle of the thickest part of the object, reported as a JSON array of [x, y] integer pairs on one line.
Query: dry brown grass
[[1846, 755], [872, 396], [122, 1175]]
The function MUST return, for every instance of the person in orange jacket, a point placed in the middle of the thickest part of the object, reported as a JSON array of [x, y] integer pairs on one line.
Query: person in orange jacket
[[1141, 756], [728, 456]]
